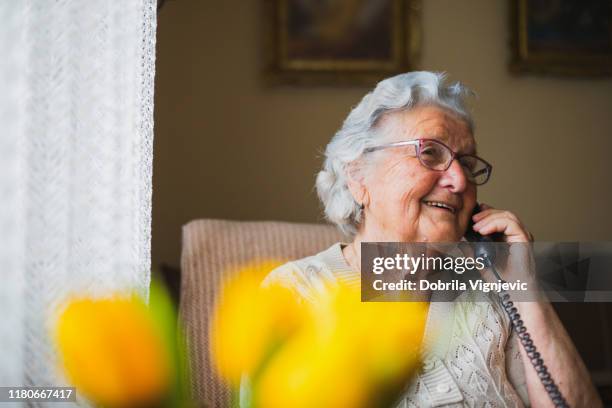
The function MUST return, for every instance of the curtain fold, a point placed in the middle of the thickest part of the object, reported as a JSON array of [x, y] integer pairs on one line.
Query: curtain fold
[[76, 113], [12, 236]]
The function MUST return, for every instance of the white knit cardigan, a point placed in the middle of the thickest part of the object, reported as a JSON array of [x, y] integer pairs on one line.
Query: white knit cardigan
[[473, 357]]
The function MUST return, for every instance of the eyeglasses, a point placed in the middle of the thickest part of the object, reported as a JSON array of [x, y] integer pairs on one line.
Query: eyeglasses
[[437, 156]]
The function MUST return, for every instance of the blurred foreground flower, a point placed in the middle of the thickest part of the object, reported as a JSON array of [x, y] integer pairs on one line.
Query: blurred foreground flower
[[119, 352], [248, 322], [335, 352]]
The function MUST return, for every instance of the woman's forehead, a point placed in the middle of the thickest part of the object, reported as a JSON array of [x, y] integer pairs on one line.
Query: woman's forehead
[[433, 123]]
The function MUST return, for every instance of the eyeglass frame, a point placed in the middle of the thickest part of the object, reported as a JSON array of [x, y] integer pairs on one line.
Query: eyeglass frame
[[454, 155]]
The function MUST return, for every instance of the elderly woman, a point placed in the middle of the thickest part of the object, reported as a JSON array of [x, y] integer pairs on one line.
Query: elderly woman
[[404, 168]]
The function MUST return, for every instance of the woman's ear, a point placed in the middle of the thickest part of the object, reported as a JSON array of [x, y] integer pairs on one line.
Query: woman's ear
[[356, 183]]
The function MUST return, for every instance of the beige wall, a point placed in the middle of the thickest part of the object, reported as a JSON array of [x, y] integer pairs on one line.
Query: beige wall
[[226, 147]]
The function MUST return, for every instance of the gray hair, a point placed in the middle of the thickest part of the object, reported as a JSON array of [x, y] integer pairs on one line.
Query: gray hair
[[401, 92]]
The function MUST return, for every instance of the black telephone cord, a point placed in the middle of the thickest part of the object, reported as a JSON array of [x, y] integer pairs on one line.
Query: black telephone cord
[[532, 351]]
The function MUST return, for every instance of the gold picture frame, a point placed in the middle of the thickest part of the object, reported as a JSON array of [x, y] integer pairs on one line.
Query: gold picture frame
[[323, 45], [554, 37]]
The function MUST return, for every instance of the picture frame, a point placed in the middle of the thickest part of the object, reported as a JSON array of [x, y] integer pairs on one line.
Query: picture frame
[[561, 37], [349, 42]]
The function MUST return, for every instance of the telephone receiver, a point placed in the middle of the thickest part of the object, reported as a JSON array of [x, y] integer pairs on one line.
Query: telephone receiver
[[484, 247], [483, 244]]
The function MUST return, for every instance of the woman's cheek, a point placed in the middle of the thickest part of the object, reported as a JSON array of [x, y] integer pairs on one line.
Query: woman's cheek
[[423, 184]]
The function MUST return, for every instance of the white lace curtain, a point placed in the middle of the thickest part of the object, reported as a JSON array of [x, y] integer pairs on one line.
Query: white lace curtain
[[76, 132]]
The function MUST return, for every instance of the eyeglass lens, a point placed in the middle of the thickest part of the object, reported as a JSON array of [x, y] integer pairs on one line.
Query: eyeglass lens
[[437, 156]]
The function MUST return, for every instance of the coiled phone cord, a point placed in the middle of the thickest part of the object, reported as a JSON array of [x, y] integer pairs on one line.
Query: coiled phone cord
[[532, 351]]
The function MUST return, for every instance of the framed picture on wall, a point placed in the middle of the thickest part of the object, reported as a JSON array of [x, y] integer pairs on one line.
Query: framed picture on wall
[[342, 42], [566, 37]]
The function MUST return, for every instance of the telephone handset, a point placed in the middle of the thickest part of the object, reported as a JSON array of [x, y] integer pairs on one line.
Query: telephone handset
[[484, 248], [483, 244]]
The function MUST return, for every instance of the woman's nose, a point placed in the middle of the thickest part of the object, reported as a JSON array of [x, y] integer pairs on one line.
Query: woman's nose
[[454, 178]]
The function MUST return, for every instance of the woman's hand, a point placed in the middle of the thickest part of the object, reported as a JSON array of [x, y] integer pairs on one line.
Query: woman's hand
[[514, 261], [490, 221]]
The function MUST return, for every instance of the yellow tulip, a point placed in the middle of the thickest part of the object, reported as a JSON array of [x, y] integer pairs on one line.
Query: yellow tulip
[[311, 372], [348, 354], [392, 336], [112, 351], [250, 321], [334, 352]]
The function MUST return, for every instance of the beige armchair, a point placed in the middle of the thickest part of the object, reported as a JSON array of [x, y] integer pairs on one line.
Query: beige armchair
[[210, 247]]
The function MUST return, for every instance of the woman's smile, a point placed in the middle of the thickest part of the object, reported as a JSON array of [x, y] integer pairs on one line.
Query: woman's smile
[[440, 205]]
